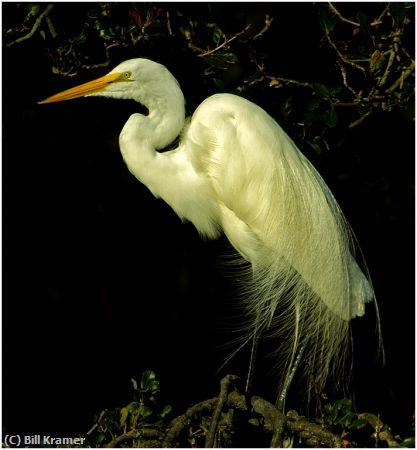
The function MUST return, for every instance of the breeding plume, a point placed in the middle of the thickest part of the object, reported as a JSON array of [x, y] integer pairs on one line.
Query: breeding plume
[[235, 171]]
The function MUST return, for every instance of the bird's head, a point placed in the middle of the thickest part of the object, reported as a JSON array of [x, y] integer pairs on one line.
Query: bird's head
[[134, 79]]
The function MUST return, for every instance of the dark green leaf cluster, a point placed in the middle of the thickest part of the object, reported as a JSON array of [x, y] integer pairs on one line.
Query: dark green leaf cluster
[[363, 52], [130, 420], [340, 414]]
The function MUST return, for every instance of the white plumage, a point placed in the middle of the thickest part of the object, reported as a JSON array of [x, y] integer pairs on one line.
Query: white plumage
[[235, 171]]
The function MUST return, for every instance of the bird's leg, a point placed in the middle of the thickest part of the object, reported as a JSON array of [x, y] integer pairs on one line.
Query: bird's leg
[[294, 362], [280, 403]]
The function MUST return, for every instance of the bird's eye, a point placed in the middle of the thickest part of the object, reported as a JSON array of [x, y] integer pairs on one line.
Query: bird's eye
[[126, 75]]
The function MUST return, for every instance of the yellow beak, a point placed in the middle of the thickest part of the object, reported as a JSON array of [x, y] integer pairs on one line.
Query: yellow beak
[[84, 89]]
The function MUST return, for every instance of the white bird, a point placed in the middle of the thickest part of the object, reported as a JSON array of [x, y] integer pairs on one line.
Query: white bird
[[235, 171]]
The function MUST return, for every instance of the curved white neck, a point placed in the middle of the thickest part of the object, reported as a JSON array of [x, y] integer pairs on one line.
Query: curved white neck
[[142, 136]]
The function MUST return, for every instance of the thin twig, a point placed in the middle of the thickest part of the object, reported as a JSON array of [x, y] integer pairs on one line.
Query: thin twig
[[407, 72], [343, 19], [344, 77], [360, 120], [343, 57], [384, 77], [290, 82], [97, 422], [226, 42], [36, 25], [379, 20], [268, 22], [169, 25], [51, 27]]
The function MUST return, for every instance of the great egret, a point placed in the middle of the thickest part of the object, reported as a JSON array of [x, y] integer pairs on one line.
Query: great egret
[[235, 171]]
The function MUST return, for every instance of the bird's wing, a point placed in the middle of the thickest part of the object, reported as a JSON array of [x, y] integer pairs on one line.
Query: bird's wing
[[275, 208]]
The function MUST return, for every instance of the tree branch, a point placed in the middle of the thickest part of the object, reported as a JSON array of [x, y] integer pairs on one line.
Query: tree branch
[[407, 72], [341, 56], [36, 25], [314, 433], [224, 388], [268, 22], [343, 19], [382, 431], [276, 80], [226, 42]]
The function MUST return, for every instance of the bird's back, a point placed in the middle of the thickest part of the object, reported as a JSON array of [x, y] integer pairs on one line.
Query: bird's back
[[279, 214], [263, 180]]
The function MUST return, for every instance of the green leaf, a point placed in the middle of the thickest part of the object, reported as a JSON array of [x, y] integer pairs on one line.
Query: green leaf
[[133, 407], [347, 419], [408, 442], [322, 90], [312, 117], [144, 412], [80, 39], [94, 12], [357, 423], [167, 409], [107, 34], [221, 60], [135, 384], [333, 90], [123, 416], [230, 57], [327, 21], [219, 84], [100, 438], [314, 103], [398, 12], [148, 382], [343, 405], [32, 9], [217, 35], [330, 117], [286, 106], [317, 148]]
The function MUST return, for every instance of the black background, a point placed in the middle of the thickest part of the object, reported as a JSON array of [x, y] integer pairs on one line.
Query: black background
[[101, 281]]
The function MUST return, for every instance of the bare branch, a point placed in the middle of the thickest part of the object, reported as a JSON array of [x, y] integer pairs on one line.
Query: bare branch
[[343, 19], [343, 57], [314, 433], [379, 20], [51, 27], [382, 431], [276, 80], [130, 435], [224, 389], [383, 79], [360, 120], [268, 22], [36, 25], [406, 73], [226, 42], [344, 77]]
